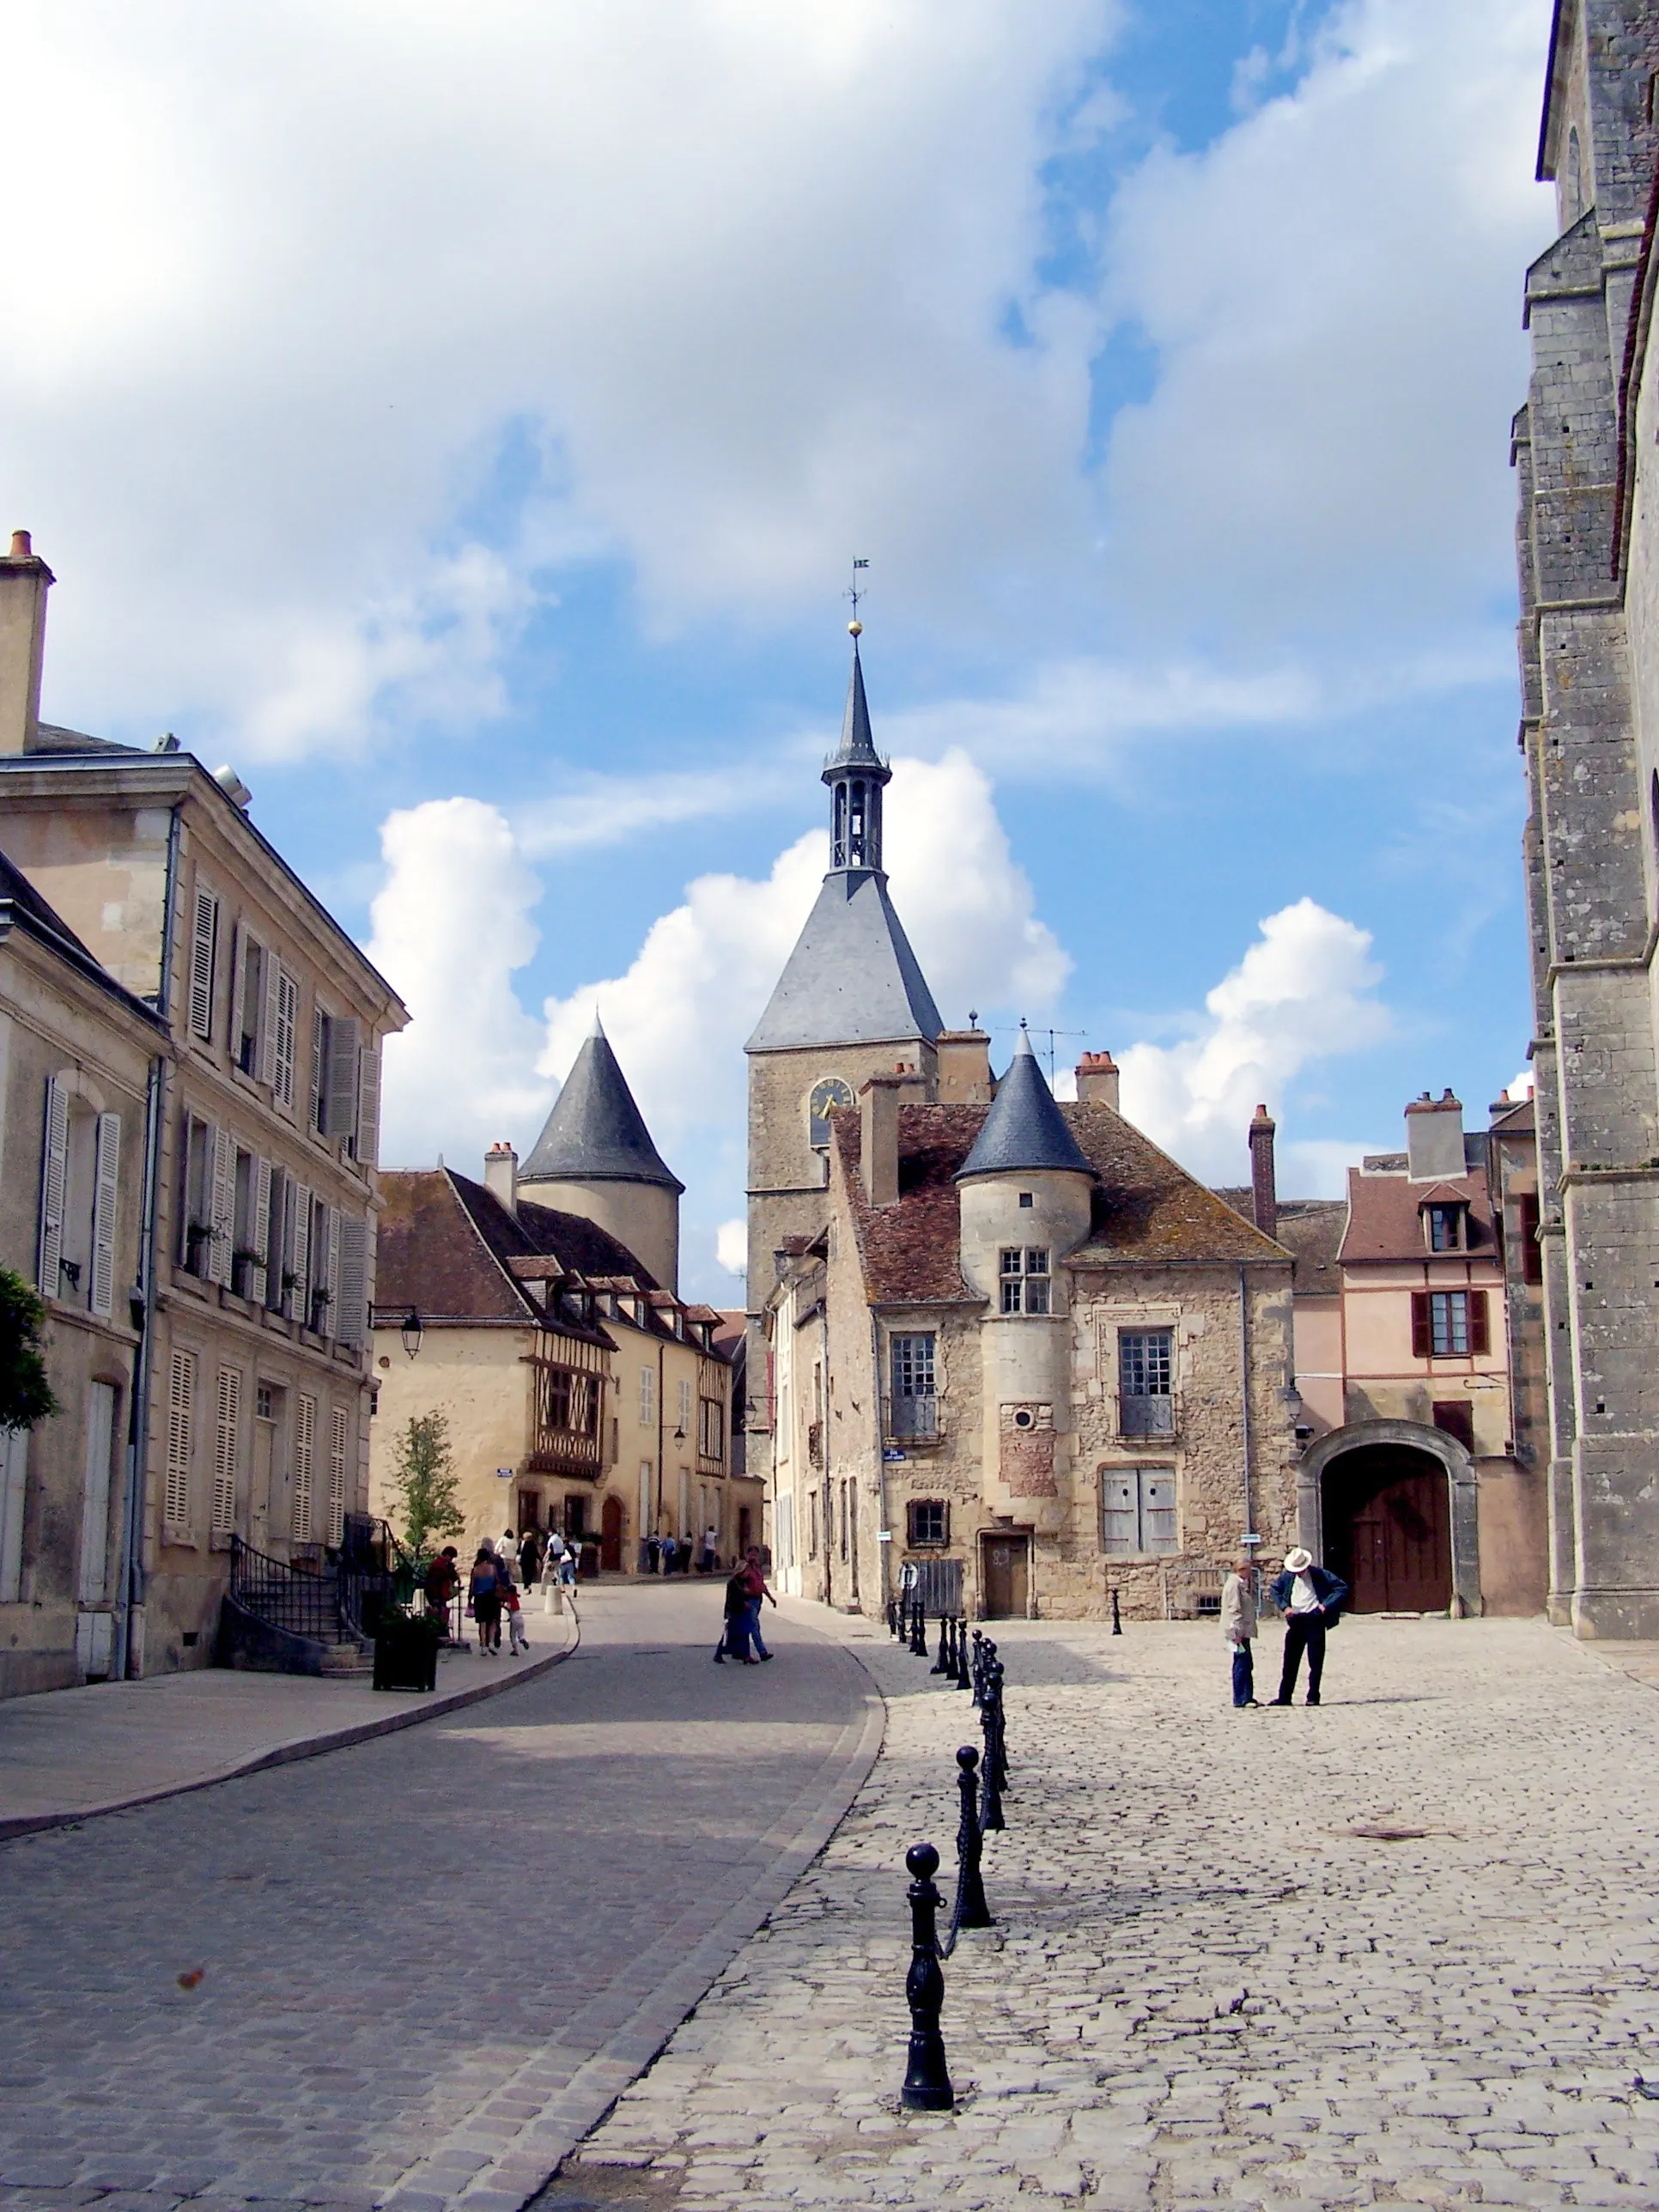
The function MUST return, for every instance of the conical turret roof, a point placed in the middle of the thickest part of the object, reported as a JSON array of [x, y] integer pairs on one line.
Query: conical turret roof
[[1024, 1129], [596, 1134], [857, 748]]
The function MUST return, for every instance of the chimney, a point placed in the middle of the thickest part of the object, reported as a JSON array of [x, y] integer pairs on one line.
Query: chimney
[[1097, 1080], [878, 1105], [502, 1176], [25, 580], [964, 1068], [1434, 1138], [1264, 1189]]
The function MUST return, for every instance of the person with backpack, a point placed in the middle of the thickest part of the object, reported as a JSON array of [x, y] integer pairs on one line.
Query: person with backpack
[[484, 1588]]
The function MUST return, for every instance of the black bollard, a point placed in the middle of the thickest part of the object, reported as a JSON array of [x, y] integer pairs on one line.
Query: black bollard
[[1001, 1726], [991, 1773], [918, 1632], [971, 1910], [976, 1669], [941, 1665], [1117, 1625], [964, 1681], [926, 2083]]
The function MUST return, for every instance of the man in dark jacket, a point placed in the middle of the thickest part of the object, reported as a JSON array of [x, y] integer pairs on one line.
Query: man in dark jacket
[[1310, 1599]]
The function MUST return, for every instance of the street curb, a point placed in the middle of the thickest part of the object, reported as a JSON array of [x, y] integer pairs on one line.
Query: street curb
[[527, 2153], [309, 1747]]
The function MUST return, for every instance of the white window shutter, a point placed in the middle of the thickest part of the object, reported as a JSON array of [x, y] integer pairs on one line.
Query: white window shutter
[[343, 1077], [224, 1195], [106, 1201], [319, 1029], [181, 1415], [13, 1496], [336, 1475], [237, 982], [257, 1274], [330, 1272], [299, 1303], [284, 1007], [265, 1066], [204, 943], [225, 1439], [305, 1444], [368, 1107], [54, 1180], [350, 1321]]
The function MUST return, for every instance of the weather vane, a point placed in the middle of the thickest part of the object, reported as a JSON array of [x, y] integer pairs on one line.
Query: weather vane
[[855, 595]]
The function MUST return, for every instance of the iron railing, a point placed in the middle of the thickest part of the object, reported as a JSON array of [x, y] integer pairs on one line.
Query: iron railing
[[284, 1597], [1152, 1416], [910, 1420]]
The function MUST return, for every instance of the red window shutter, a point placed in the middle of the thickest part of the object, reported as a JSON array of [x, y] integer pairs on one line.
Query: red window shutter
[[1422, 1342], [1480, 1332]]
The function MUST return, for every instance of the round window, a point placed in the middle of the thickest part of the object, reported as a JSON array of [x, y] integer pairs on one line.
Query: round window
[[1023, 1419]]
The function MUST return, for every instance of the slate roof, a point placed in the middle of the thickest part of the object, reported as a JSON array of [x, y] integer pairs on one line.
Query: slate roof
[[1147, 1210], [852, 978], [596, 1132], [1311, 1230], [1385, 1219], [857, 748], [1025, 1129]]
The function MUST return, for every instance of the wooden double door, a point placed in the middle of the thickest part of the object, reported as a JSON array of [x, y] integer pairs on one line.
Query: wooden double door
[[1388, 1529]]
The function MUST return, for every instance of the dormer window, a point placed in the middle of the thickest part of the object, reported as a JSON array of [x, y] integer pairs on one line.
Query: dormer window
[[1445, 1226]]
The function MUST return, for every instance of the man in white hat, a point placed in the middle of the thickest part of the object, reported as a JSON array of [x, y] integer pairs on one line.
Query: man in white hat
[[1310, 1598]]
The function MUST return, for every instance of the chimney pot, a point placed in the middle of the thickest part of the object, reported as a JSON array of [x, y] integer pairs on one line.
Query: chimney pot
[[1264, 1186], [1097, 1080], [878, 1105], [21, 550], [502, 1176], [25, 580]]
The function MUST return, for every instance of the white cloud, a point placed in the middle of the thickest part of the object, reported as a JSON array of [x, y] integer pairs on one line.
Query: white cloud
[[450, 928], [731, 1246], [1519, 1086], [1301, 991]]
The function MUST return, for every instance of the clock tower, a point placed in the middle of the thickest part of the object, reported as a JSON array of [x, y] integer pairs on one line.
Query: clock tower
[[851, 1002]]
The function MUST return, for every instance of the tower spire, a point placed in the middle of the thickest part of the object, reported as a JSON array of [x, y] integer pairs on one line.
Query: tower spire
[[856, 774]]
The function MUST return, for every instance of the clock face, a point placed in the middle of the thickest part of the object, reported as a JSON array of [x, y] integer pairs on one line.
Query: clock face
[[826, 1096]]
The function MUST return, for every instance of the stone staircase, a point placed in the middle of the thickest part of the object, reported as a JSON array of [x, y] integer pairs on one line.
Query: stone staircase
[[278, 1620]]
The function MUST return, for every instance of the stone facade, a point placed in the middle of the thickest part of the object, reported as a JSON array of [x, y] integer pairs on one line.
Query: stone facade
[[1589, 574]]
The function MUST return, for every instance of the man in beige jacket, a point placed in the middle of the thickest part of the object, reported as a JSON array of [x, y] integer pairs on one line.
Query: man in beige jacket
[[1238, 1626]]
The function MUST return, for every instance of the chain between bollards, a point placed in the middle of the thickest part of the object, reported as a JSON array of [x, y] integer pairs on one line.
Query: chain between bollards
[[926, 2079]]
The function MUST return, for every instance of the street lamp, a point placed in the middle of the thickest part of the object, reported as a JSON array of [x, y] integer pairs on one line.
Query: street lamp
[[412, 1332]]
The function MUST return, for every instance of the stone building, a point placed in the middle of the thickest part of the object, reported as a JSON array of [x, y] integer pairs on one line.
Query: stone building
[[582, 1393], [1420, 1470], [252, 1397], [1005, 1341], [80, 1059], [1588, 550]]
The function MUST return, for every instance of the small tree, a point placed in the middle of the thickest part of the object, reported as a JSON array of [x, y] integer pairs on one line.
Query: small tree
[[424, 1478], [25, 1394]]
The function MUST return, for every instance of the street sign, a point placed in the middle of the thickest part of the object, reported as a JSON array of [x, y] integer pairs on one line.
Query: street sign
[[889, 1455]]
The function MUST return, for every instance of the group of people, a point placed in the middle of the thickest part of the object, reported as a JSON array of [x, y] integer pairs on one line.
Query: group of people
[[1311, 1600], [676, 1555], [745, 1592], [492, 1588]]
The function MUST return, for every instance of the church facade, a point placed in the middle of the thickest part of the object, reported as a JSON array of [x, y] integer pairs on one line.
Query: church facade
[[1002, 1349]]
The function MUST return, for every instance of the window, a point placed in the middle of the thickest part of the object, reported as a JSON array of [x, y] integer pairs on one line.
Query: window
[[1137, 1511], [203, 962], [927, 1521], [1449, 1324], [336, 1475], [1445, 1228], [265, 1402], [576, 1515], [284, 1019], [305, 1446], [1025, 1279], [249, 1023], [14, 1492], [913, 1409], [1146, 1401], [225, 1450], [336, 1075], [95, 1494], [350, 1314], [181, 1420], [811, 1524], [849, 1513], [80, 1194], [1532, 1252], [572, 1403], [711, 1428], [1454, 1417], [325, 1270], [648, 1395], [683, 1426]]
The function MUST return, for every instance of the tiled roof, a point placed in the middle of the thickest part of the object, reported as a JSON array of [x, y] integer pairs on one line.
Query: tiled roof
[[1311, 1230], [446, 1243], [1147, 1208], [1385, 1223]]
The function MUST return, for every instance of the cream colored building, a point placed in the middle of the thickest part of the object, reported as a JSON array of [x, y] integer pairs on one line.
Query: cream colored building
[[582, 1393], [254, 1397], [81, 1061]]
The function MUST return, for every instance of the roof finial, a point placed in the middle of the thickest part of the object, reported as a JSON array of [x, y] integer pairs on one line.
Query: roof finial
[[855, 628], [597, 1028]]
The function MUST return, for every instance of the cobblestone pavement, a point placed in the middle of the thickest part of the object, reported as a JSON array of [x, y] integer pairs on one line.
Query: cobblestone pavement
[[1398, 1950], [418, 1969]]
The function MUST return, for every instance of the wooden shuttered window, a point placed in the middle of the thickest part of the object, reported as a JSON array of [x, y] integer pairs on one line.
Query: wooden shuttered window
[[318, 1067], [343, 1078], [1450, 1324], [204, 951], [337, 1474], [297, 1305], [305, 1447], [259, 1273], [227, 1435], [1422, 1342], [222, 1201], [181, 1418], [106, 1198], [350, 1320], [1479, 1326], [369, 1106], [283, 1012], [54, 1188]]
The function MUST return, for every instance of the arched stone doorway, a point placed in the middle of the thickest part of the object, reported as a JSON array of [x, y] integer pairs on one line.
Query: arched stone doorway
[[1391, 1507]]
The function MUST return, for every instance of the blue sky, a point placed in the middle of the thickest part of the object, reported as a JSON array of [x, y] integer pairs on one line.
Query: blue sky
[[464, 421]]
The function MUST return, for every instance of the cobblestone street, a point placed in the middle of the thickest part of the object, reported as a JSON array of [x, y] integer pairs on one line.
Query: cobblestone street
[[423, 1965], [1401, 1949]]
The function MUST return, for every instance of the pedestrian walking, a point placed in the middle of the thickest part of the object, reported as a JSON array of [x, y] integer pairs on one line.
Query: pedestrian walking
[[1310, 1599], [1238, 1626], [530, 1556], [518, 1641], [652, 1549], [711, 1550], [567, 1568], [484, 1592], [754, 1577], [667, 1551], [735, 1632], [686, 1553], [507, 1550], [443, 1579]]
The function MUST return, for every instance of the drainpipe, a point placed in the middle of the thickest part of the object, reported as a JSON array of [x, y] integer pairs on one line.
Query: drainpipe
[[1245, 1368], [661, 1429], [883, 1550]]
